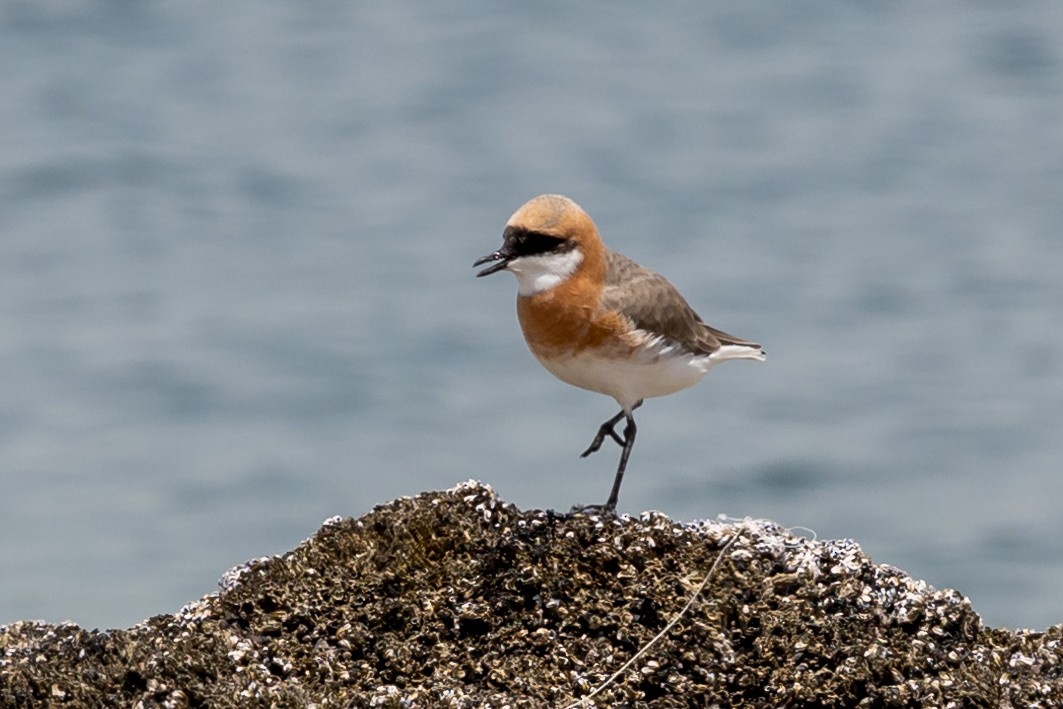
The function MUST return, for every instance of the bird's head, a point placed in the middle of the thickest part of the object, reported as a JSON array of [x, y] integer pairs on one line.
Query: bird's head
[[545, 241]]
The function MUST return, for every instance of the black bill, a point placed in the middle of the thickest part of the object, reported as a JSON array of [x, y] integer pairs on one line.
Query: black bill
[[502, 258]]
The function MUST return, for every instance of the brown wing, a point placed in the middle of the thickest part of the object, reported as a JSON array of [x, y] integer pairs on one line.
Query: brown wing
[[654, 304]]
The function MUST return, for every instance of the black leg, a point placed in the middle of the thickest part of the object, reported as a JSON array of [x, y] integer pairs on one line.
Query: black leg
[[629, 442], [607, 429]]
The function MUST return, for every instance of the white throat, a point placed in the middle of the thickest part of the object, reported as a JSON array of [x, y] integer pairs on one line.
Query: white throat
[[545, 271]]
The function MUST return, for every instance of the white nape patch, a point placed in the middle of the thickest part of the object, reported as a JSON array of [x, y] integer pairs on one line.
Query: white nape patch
[[544, 271]]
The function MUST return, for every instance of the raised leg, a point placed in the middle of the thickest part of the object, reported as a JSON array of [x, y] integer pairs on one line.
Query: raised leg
[[606, 429], [626, 443]]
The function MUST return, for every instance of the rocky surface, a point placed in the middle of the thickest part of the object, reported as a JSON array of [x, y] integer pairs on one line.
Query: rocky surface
[[458, 599]]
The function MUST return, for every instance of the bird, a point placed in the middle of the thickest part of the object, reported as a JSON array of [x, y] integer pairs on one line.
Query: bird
[[597, 320]]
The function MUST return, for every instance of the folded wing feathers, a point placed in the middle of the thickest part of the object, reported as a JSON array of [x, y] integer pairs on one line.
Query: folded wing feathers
[[649, 301]]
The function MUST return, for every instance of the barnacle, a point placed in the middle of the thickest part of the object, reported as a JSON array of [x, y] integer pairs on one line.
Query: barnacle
[[458, 599]]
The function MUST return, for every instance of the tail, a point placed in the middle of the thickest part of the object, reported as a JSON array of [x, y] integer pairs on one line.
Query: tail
[[735, 348], [738, 352], [732, 347]]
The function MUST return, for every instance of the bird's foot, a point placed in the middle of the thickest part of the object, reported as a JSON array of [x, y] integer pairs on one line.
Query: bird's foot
[[605, 510], [606, 429]]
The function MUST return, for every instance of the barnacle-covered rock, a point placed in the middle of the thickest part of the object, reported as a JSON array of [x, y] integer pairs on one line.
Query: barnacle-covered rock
[[457, 599]]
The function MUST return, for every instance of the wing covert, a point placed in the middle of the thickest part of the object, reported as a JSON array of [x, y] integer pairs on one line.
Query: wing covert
[[653, 304]]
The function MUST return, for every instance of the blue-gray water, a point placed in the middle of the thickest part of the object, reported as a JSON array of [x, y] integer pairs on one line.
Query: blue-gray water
[[236, 293]]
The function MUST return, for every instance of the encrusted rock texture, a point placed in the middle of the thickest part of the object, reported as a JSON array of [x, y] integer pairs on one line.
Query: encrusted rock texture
[[457, 599]]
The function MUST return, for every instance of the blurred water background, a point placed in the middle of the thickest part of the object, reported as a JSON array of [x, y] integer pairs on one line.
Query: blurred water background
[[236, 293]]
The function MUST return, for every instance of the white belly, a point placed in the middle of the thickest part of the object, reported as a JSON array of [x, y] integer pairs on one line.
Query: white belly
[[628, 380], [657, 369]]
